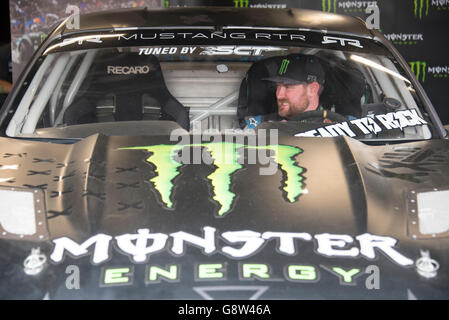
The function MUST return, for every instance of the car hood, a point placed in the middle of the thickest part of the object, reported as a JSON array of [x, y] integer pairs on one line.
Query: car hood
[[312, 218]]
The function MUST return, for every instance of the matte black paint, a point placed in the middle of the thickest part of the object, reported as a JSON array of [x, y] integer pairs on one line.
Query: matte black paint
[[106, 190]]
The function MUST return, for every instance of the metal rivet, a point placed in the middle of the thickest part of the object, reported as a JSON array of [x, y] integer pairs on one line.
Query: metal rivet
[[3, 233], [41, 237], [414, 236], [21, 236], [38, 200], [413, 200], [413, 210], [39, 223], [413, 222], [38, 211], [413, 191]]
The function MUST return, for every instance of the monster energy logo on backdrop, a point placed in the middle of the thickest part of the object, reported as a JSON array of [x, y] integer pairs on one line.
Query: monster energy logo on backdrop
[[419, 68], [241, 3], [284, 66], [419, 8], [326, 5], [166, 3], [225, 157]]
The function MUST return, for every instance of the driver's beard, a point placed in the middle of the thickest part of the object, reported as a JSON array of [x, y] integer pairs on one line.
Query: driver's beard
[[291, 111]]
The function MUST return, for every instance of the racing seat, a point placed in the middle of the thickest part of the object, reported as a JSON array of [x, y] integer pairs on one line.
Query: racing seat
[[343, 88], [256, 96], [126, 77]]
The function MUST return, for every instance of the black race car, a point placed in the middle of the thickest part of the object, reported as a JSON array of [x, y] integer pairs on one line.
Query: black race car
[[145, 157]]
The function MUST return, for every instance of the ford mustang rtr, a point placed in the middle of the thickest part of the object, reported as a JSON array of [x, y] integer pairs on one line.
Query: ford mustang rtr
[[143, 158]]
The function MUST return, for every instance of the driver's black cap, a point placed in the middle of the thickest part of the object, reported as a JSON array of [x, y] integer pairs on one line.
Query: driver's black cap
[[298, 69]]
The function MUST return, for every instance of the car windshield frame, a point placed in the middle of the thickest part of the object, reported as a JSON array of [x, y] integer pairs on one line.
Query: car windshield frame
[[176, 36]]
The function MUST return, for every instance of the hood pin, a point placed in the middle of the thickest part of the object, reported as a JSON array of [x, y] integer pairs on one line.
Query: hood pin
[[35, 262], [425, 266]]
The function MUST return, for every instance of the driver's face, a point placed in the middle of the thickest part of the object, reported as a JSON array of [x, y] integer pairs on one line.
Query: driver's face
[[292, 99]]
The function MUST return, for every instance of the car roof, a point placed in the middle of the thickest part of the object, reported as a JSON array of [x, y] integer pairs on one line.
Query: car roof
[[220, 17]]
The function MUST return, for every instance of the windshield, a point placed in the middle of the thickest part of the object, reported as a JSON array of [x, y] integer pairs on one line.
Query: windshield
[[222, 87]]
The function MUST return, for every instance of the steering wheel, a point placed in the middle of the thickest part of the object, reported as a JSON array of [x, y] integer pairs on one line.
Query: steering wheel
[[320, 114]]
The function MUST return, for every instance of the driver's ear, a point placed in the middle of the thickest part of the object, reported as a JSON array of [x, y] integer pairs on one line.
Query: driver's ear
[[312, 89]]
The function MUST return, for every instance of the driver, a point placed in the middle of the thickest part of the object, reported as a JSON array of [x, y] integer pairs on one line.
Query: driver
[[299, 83]]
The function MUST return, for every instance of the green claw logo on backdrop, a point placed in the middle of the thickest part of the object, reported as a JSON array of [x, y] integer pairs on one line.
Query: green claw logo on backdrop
[[241, 3], [419, 68], [421, 7], [326, 6], [225, 158]]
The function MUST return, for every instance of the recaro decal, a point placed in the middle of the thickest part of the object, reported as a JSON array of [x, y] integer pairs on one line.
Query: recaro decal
[[225, 156], [128, 69]]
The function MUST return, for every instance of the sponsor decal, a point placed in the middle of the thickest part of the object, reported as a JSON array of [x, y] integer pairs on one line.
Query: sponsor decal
[[226, 159], [419, 69], [346, 6], [405, 38], [422, 70], [128, 69], [284, 66], [342, 41], [237, 50], [421, 7], [172, 273], [165, 50], [253, 122], [368, 125], [190, 38], [202, 35], [247, 4], [141, 246], [438, 72], [329, 6], [241, 3]]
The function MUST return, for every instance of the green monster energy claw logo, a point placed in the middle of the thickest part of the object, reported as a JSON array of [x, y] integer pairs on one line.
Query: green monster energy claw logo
[[225, 157], [241, 3], [419, 8], [166, 4], [284, 66], [326, 5], [419, 68]]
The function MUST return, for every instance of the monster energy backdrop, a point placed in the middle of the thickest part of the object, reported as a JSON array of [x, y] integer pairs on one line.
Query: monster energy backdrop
[[415, 27]]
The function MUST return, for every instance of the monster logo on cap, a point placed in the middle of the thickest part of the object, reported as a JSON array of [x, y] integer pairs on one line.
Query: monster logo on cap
[[284, 66]]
